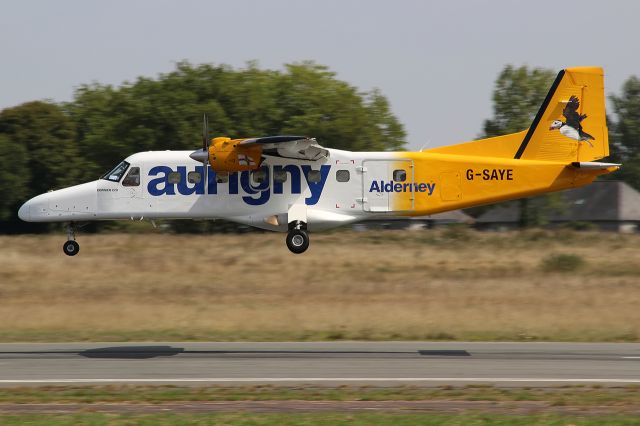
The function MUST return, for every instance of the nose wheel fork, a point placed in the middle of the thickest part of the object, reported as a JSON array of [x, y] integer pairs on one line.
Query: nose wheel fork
[[71, 247]]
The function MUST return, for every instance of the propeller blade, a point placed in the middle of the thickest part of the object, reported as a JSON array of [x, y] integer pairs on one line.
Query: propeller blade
[[205, 149], [205, 132]]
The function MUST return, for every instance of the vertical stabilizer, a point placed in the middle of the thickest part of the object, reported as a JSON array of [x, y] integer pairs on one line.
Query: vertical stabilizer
[[571, 123]]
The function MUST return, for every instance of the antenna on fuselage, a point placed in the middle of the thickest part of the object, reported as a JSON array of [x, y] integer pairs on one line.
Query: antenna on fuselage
[[426, 144]]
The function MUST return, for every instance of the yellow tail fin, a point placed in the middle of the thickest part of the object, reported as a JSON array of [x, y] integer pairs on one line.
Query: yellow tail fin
[[570, 125]]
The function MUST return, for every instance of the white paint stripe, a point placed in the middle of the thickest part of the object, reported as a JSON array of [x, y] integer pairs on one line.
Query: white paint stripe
[[322, 379], [631, 357]]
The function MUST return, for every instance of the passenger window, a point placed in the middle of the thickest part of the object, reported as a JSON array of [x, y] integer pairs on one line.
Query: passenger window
[[259, 176], [342, 176], [399, 175], [314, 176], [194, 177], [174, 177], [279, 176], [132, 178]]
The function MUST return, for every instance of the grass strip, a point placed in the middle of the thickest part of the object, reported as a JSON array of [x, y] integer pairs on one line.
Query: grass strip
[[586, 396], [314, 419]]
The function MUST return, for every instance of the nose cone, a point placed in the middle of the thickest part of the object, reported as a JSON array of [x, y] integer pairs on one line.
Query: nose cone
[[69, 204], [23, 212]]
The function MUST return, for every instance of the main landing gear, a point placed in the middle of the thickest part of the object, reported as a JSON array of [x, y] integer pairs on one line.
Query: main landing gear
[[298, 237], [71, 247]]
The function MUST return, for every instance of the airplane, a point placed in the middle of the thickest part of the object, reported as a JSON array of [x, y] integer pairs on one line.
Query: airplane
[[293, 184]]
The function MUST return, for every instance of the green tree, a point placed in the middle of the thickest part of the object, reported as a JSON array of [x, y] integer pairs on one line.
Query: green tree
[[517, 96], [625, 132], [37, 153], [315, 103], [47, 135], [14, 175], [165, 113]]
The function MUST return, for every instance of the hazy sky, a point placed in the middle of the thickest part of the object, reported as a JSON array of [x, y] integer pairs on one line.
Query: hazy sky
[[435, 61]]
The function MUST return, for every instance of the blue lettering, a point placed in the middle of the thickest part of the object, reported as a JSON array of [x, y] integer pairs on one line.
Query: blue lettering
[[183, 186], [152, 186], [253, 193], [315, 187], [212, 187], [383, 186], [294, 171], [262, 187], [245, 184], [264, 197], [233, 183]]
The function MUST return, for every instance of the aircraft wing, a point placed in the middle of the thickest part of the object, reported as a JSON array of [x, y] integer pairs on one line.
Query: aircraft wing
[[297, 147]]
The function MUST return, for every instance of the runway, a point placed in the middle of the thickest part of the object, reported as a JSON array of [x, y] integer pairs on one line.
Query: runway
[[325, 363]]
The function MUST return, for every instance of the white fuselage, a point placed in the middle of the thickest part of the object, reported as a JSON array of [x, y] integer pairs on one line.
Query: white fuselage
[[171, 186]]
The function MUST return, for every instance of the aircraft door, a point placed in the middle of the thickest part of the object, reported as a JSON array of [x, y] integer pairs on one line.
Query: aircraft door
[[387, 185]]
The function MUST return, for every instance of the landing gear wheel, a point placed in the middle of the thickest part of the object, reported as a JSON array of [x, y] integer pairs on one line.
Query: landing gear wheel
[[298, 240], [71, 248]]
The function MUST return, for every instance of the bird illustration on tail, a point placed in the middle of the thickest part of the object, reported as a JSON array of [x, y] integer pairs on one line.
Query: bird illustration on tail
[[572, 127]]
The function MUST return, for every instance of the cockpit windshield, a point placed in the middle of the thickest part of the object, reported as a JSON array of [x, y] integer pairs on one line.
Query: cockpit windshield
[[118, 171]]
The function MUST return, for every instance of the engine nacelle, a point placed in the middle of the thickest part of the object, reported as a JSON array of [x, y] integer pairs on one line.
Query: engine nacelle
[[227, 155]]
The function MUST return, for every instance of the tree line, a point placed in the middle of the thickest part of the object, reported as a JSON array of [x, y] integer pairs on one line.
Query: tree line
[[47, 145]]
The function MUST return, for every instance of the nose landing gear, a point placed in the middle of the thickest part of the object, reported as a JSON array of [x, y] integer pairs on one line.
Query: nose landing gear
[[298, 237], [71, 247]]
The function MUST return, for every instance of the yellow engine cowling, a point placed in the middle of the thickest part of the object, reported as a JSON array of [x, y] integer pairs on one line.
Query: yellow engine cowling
[[227, 155]]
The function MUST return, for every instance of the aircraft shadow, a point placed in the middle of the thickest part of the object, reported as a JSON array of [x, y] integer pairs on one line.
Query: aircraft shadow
[[131, 352], [159, 351]]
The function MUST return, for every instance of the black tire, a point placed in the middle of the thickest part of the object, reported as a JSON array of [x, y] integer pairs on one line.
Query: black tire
[[298, 241], [71, 248]]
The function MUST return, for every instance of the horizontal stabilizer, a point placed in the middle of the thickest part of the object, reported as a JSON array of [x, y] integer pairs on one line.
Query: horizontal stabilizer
[[594, 165]]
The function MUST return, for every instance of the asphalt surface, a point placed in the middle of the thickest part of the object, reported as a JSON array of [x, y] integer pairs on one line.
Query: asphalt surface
[[321, 363]]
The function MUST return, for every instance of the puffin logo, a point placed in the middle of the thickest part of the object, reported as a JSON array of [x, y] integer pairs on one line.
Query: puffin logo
[[572, 127]]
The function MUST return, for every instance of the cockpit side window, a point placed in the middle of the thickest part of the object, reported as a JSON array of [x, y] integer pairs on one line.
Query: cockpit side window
[[132, 178], [118, 171]]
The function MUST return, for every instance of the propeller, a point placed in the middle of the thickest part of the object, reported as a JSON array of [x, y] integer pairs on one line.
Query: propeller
[[203, 154], [205, 148]]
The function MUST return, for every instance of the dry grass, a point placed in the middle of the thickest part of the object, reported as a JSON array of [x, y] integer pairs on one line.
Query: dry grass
[[452, 284], [619, 398]]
